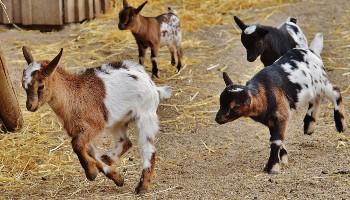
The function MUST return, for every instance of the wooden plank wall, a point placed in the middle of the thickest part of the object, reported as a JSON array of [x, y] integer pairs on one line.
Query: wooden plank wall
[[57, 12]]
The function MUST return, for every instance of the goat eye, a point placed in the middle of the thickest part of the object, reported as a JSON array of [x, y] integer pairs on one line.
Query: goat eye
[[41, 87]]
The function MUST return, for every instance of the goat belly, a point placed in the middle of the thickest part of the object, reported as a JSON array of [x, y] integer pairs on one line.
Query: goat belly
[[129, 91], [170, 30]]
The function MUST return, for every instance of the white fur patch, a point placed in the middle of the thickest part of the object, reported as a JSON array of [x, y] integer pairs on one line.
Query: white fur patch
[[250, 29], [27, 75], [236, 90], [298, 36], [277, 142], [154, 59], [106, 169], [125, 95], [170, 31]]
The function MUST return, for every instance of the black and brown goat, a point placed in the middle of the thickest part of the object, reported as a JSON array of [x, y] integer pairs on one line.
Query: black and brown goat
[[153, 32], [296, 79]]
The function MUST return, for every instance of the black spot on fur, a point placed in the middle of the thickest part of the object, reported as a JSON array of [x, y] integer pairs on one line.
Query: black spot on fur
[[303, 72], [90, 71], [339, 99], [118, 65], [294, 65], [133, 76], [312, 51], [105, 112], [324, 74], [102, 70], [295, 29], [338, 117]]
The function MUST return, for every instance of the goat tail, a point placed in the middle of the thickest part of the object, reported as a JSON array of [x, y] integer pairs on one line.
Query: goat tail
[[164, 92], [317, 44], [170, 10]]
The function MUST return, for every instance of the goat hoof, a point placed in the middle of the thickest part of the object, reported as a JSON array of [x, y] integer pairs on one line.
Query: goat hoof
[[309, 132], [275, 169], [178, 67], [106, 159], [116, 178], [155, 75], [173, 62], [284, 159], [91, 174], [140, 189]]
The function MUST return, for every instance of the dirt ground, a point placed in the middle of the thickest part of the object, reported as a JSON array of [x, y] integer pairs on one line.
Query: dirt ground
[[205, 160]]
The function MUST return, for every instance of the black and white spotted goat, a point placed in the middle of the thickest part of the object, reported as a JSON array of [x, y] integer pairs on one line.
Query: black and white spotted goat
[[270, 42], [297, 78]]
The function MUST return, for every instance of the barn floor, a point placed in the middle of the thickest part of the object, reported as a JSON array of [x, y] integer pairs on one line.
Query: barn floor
[[197, 159]]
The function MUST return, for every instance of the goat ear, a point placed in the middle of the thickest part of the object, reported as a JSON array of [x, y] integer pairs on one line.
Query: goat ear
[[52, 65], [138, 10], [27, 55], [294, 20], [227, 79], [262, 31], [240, 23], [125, 4]]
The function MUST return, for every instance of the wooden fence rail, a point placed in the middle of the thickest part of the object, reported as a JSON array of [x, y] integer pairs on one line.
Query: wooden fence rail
[[51, 12]]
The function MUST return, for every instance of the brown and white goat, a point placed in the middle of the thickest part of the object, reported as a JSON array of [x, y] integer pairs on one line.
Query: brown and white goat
[[105, 98], [153, 32], [295, 79]]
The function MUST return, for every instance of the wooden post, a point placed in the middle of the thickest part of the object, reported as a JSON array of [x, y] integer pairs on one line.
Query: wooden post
[[10, 113], [3, 17]]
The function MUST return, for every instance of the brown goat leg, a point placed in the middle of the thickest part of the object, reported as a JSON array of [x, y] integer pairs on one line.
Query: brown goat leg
[[121, 146], [179, 57], [124, 145], [172, 50], [142, 53], [88, 163], [146, 176], [105, 169]]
